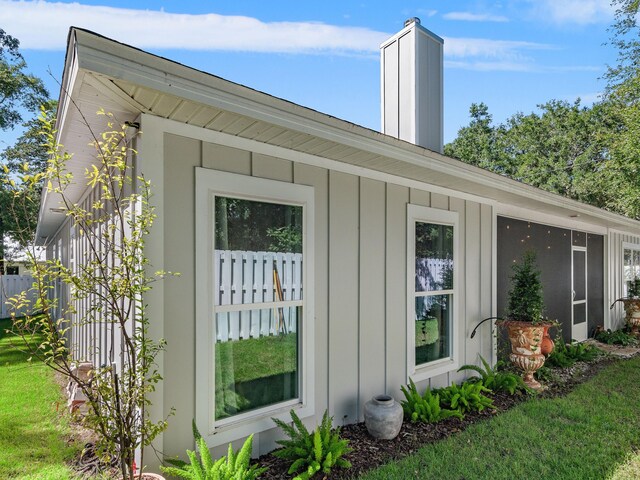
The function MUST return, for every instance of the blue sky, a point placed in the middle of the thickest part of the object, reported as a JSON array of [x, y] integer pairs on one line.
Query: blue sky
[[510, 54]]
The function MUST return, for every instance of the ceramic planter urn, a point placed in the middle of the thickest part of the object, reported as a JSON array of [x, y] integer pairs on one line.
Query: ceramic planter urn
[[632, 310], [526, 348], [383, 417]]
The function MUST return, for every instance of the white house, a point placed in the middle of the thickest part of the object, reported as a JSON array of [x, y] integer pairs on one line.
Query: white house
[[387, 253]]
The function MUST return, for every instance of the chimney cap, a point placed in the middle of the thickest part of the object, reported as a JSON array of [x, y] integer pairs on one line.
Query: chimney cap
[[411, 20]]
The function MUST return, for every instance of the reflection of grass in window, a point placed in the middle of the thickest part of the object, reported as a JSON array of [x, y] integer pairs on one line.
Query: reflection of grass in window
[[255, 372]]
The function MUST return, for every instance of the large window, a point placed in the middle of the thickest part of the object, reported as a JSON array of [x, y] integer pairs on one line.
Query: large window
[[432, 266], [254, 302], [258, 303]]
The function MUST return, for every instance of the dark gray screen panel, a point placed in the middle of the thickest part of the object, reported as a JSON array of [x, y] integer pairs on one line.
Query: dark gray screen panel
[[579, 239], [595, 281], [553, 248], [579, 275]]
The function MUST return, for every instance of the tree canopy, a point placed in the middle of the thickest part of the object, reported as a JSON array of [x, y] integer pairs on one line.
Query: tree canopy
[[19, 90], [589, 153], [21, 96]]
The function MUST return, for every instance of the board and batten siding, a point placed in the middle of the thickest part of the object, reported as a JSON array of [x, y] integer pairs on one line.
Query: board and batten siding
[[617, 241], [360, 282]]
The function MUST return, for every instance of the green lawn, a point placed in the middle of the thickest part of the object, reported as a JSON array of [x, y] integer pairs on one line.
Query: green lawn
[[255, 372], [592, 433], [32, 434]]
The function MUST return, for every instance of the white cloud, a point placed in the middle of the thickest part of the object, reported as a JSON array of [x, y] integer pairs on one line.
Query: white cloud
[[489, 66], [496, 49], [474, 17], [426, 13], [581, 12], [515, 66], [44, 25]]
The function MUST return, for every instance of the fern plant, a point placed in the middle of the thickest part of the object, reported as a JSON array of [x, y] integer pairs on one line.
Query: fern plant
[[312, 452], [567, 354], [466, 397], [235, 466], [426, 407], [495, 379], [619, 337]]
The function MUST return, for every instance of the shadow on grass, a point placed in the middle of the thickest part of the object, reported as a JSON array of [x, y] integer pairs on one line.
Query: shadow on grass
[[12, 348], [243, 396]]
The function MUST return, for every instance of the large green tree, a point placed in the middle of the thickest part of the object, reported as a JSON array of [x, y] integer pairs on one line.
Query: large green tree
[[562, 148], [591, 154], [21, 95], [623, 95], [19, 90]]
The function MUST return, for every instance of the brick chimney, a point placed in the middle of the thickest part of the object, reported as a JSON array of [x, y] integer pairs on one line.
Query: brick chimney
[[411, 86]]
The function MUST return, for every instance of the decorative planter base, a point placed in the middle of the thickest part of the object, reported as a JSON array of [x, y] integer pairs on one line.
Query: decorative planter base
[[529, 364], [526, 348], [383, 417]]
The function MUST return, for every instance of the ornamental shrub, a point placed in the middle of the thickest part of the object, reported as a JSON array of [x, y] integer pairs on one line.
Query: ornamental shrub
[[311, 452]]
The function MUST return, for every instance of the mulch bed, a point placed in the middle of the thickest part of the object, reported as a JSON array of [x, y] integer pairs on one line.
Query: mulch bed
[[370, 453]]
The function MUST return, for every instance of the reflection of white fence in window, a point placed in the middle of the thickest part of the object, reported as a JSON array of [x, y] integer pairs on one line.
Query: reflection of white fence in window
[[431, 274], [247, 279], [11, 285]]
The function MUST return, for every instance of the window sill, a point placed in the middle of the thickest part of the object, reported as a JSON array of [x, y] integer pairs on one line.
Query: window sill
[[231, 429], [432, 369]]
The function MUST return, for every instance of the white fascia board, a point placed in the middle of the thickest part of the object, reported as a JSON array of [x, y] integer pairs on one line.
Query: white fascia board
[[69, 86], [120, 61], [531, 215]]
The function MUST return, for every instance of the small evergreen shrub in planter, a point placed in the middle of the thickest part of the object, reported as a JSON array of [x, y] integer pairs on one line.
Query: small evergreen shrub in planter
[[525, 324]]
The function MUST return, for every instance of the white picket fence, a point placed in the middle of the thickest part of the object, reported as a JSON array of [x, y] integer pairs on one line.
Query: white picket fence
[[248, 278], [431, 273], [11, 285]]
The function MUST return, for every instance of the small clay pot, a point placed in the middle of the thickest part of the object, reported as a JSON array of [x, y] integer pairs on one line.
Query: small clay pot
[[383, 417]]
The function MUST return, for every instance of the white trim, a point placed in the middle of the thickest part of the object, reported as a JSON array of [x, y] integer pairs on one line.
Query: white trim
[[606, 264], [494, 285], [234, 141], [418, 213], [579, 333], [568, 223], [241, 307], [150, 163], [211, 183], [626, 246]]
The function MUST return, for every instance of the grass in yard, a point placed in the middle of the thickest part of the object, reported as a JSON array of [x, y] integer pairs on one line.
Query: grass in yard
[[255, 372], [592, 433], [32, 444]]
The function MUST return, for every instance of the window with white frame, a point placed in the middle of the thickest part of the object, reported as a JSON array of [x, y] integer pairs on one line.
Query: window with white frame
[[255, 235], [631, 264], [433, 259]]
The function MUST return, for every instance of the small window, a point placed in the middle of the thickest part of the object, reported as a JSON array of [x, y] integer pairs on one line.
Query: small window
[[432, 266], [631, 265]]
